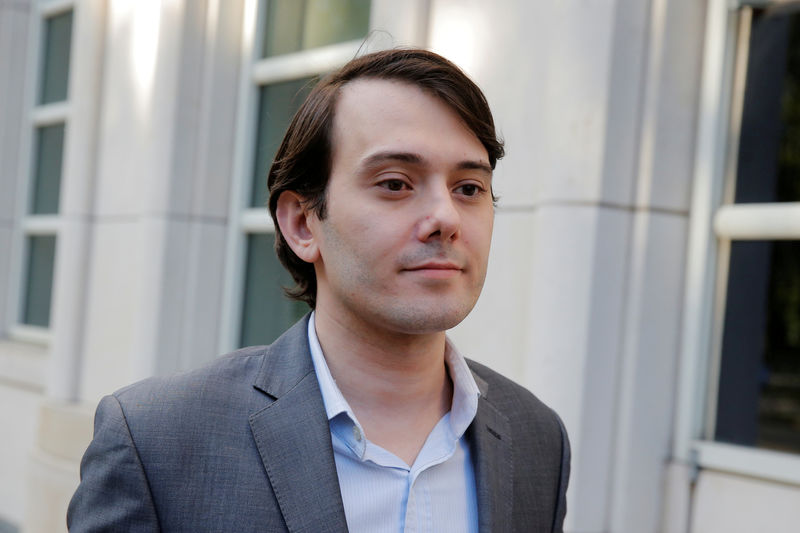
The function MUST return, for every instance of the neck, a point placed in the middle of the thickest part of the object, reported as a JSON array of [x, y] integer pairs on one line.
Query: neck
[[396, 384], [381, 365]]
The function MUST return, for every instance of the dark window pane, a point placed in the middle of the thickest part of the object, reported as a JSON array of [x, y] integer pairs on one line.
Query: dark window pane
[[294, 25], [759, 389], [769, 149], [278, 103], [55, 58], [334, 21], [47, 169], [283, 28], [266, 311], [39, 280]]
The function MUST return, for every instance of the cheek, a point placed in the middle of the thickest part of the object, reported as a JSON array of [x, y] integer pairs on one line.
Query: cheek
[[479, 234]]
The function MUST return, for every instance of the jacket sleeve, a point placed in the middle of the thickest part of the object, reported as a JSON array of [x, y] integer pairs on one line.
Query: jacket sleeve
[[114, 494], [561, 505]]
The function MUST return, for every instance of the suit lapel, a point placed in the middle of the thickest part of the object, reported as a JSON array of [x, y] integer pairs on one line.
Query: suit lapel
[[293, 437], [493, 461]]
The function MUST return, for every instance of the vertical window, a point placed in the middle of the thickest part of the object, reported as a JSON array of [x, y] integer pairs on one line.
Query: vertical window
[[277, 104], [758, 394], [49, 143], [41, 255], [296, 42], [55, 58], [266, 312], [48, 128]]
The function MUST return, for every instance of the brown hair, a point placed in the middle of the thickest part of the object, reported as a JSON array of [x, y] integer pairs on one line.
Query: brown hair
[[302, 163]]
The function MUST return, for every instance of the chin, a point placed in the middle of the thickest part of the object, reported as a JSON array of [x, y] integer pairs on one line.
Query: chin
[[432, 318]]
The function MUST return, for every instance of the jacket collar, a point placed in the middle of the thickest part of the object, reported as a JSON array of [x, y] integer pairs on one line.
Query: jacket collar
[[293, 437], [492, 458]]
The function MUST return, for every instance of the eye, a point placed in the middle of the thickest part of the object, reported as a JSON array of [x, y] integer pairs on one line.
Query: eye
[[394, 185], [469, 189]]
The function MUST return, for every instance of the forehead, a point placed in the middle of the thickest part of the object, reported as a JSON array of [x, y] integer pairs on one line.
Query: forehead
[[389, 114]]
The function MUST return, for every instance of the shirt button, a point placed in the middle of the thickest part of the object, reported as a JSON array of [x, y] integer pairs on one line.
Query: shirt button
[[357, 433]]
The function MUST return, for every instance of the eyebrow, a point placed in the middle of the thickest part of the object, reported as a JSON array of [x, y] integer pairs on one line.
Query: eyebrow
[[416, 159]]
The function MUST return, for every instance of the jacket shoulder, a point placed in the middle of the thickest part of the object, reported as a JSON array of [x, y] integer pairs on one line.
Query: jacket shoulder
[[176, 453], [510, 398], [233, 373], [541, 452]]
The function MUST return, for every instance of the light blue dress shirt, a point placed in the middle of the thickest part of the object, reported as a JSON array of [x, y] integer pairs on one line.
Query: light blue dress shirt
[[380, 492]]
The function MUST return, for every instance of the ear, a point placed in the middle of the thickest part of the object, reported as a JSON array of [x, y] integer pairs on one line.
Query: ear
[[293, 219]]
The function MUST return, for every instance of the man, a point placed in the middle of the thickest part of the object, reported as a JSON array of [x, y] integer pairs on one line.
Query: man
[[362, 416]]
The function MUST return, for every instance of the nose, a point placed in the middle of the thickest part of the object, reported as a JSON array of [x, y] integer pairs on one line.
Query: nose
[[441, 219]]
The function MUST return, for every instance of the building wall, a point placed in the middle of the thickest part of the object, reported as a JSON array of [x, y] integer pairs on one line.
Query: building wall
[[593, 224], [585, 296], [22, 366]]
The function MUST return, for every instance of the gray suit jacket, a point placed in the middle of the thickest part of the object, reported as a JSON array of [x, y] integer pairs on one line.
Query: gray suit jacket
[[244, 445]]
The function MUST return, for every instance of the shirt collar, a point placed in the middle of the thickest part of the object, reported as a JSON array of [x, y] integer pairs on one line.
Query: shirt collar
[[465, 390], [335, 403]]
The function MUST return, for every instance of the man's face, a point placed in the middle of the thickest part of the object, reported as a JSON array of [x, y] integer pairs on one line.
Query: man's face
[[405, 241]]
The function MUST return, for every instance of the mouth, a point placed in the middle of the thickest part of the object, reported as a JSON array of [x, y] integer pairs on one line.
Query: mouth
[[436, 269]]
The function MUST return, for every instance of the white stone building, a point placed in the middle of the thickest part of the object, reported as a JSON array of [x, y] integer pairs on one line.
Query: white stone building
[[641, 279]]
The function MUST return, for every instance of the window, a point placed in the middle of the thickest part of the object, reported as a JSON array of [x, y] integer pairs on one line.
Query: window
[[55, 58], [294, 25], [741, 345], [758, 397], [294, 43], [47, 129]]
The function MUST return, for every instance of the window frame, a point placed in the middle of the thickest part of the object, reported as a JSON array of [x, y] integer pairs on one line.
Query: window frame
[[715, 222], [28, 224]]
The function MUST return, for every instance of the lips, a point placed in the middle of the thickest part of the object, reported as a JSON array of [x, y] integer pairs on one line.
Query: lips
[[435, 265], [435, 271]]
